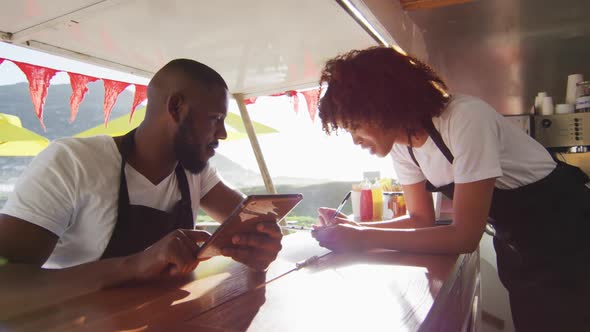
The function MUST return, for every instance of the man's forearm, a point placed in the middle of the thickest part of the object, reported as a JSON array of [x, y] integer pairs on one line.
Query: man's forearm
[[26, 287]]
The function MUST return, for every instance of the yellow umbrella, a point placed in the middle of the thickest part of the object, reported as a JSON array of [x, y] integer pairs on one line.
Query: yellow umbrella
[[18, 141], [121, 125]]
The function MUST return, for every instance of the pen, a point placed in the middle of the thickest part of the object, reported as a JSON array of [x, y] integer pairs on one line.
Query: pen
[[339, 208]]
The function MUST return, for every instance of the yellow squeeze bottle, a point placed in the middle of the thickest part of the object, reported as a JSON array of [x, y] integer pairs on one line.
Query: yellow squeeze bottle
[[377, 195]]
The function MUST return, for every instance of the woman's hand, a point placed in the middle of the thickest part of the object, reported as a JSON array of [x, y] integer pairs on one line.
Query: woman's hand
[[326, 218], [340, 237]]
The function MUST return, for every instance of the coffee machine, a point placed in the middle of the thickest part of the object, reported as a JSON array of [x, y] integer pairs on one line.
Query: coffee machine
[[567, 136], [563, 132]]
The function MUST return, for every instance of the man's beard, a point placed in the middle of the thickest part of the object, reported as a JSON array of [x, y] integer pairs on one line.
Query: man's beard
[[188, 154]]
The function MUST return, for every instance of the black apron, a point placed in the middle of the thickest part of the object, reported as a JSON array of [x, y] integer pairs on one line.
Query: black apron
[[138, 227], [542, 245]]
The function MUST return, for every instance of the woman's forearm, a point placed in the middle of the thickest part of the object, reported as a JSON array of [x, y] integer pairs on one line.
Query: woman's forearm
[[434, 240], [401, 222]]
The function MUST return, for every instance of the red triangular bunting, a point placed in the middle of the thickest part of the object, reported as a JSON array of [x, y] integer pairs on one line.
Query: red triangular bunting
[[293, 94], [296, 103], [311, 97], [140, 96], [79, 89], [112, 90], [1, 60], [39, 78], [249, 101]]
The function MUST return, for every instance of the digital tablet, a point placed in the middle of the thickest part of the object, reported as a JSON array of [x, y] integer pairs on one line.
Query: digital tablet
[[253, 210]]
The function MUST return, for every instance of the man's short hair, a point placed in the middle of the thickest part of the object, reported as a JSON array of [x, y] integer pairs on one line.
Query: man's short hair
[[196, 70]]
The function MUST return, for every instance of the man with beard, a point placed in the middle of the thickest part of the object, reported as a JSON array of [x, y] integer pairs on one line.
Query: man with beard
[[105, 211]]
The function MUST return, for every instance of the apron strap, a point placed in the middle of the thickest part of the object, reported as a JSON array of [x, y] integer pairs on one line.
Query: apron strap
[[438, 141], [185, 194], [137, 226], [127, 144], [126, 147], [411, 151], [440, 144]]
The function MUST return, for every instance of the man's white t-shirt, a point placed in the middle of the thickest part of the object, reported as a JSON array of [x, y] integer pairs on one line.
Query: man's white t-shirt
[[484, 145], [72, 188]]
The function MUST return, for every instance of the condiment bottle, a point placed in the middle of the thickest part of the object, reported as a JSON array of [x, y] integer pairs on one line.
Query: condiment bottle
[[401, 206], [377, 196], [366, 201]]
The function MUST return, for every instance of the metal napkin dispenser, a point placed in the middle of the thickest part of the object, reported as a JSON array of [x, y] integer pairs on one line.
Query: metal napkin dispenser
[[562, 130]]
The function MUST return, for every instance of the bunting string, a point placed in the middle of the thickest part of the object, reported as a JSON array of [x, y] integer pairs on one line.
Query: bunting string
[[311, 98], [39, 78]]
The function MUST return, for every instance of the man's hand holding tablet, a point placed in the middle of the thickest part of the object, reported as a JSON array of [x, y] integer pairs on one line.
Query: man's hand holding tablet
[[251, 235]]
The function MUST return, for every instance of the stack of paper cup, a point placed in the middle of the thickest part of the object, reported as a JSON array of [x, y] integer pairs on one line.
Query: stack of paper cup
[[564, 108], [573, 91], [547, 107], [539, 102]]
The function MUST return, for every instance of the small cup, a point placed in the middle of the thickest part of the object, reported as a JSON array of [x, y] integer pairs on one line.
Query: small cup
[[539, 99], [564, 109], [539, 102], [547, 108]]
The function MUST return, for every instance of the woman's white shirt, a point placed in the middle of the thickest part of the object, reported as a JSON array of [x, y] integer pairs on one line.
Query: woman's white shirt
[[484, 145]]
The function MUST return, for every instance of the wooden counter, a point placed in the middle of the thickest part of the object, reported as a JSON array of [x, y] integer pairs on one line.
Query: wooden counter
[[374, 291]]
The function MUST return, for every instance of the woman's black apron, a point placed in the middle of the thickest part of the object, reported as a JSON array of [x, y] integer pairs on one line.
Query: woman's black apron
[[542, 246], [138, 227]]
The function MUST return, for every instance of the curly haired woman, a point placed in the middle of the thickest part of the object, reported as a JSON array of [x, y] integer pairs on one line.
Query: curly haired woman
[[393, 104]]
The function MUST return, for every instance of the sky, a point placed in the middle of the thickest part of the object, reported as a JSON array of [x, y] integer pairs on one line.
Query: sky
[[300, 149]]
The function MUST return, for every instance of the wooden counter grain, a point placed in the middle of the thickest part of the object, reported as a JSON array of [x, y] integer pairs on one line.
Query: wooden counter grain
[[373, 291]]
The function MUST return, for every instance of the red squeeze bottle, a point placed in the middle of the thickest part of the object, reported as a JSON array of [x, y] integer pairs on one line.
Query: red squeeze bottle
[[366, 202]]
